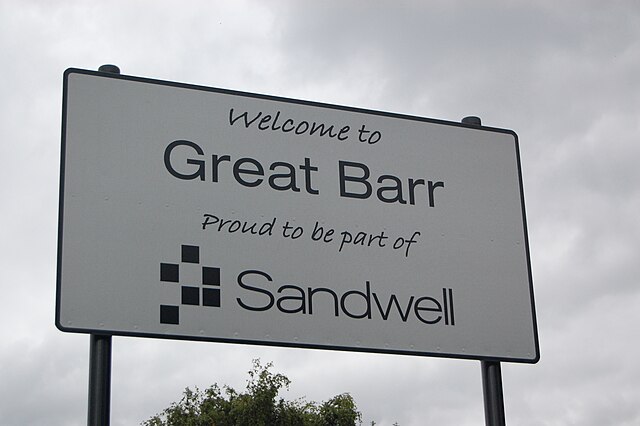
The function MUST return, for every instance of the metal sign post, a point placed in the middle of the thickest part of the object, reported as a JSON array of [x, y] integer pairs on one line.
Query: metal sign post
[[491, 371], [492, 393], [99, 380], [100, 358]]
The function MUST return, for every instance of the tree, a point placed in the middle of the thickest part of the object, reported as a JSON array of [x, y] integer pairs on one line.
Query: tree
[[259, 405]]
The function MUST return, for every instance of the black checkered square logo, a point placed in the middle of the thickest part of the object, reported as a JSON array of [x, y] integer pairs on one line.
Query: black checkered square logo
[[205, 293]]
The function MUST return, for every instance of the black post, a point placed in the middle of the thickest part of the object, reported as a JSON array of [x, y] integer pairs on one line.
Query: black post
[[113, 69], [492, 392], [99, 380], [99, 412], [472, 120], [491, 371]]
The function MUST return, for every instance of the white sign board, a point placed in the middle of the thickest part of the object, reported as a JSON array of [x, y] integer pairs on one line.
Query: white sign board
[[198, 213]]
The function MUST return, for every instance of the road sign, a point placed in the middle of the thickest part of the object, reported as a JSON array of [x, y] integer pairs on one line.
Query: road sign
[[198, 213]]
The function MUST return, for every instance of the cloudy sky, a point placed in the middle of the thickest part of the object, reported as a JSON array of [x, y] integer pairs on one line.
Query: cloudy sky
[[562, 75]]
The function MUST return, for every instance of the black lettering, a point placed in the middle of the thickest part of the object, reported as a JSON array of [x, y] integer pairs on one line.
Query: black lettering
[[412, 187], [453, 318], [257, 171], [374, 138], [367, 300], [249, 229], [199, 173], [290, 176], [344, 178], [290, 122], [298, 298], [360, 238], [432, 187], [304, 125], [315, 127], [264, 122], [267, 228], [308, 168], [393, 300], [217, 160], [433, 306], [342, 134], [395, 189], [361, 133], [207, 222], [235, 226], [312, 291], [245, 116], [318, 232], [275, 120], [347, 238], [255, 289], [380, 239]]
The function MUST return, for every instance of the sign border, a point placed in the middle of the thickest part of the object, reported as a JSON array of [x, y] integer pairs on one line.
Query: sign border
[[151, 81]]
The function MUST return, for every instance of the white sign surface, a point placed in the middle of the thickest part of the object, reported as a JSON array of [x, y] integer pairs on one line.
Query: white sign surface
[[198, 213]]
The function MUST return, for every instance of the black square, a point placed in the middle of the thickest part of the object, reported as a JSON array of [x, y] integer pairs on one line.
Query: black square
[[190, 295], [190, 254], [169, 314], [210, 276], [169, 272], [211, 297]]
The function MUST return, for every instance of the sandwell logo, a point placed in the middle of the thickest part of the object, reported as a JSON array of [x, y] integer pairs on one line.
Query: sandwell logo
[[190, 293]]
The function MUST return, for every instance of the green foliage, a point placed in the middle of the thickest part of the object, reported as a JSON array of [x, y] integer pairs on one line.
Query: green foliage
[[258, 406], [339, 411]]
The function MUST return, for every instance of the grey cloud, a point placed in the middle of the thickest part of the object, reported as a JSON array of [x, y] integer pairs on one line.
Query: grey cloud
[[563, 75]]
